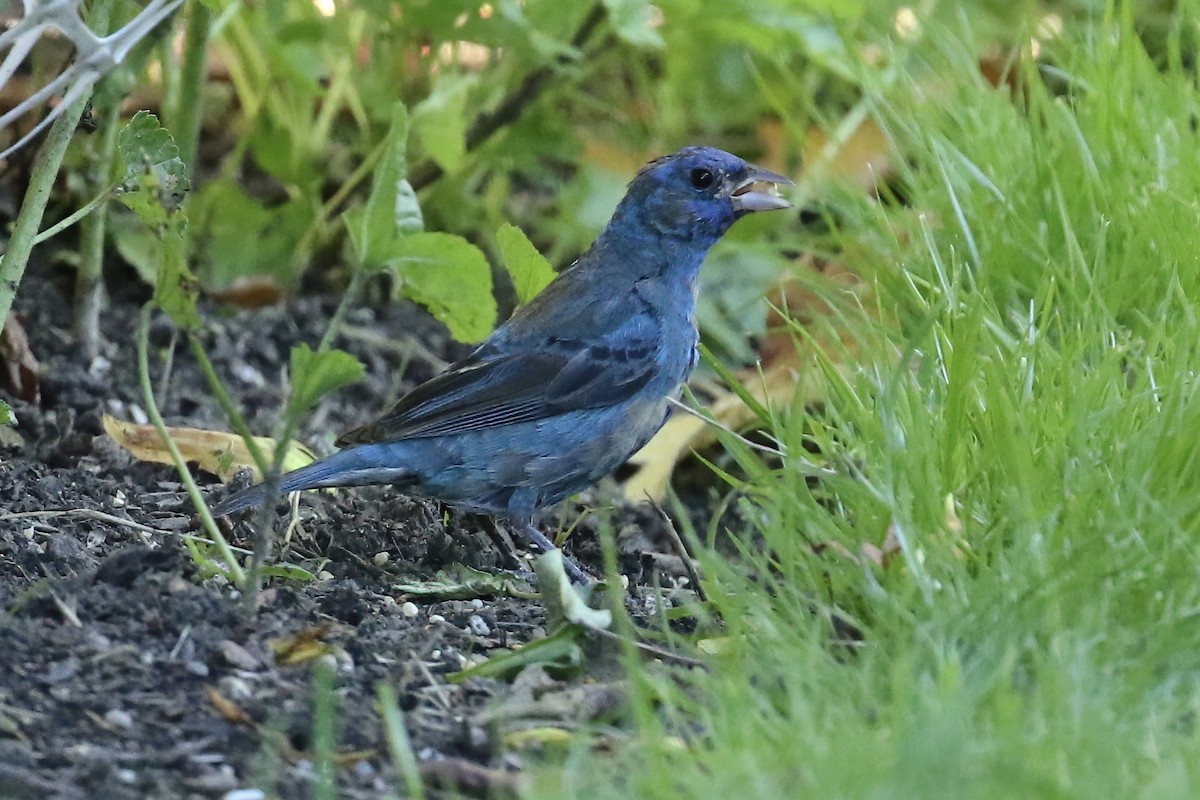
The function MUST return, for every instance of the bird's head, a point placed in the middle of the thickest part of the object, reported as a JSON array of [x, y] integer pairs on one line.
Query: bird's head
[[697, 193]]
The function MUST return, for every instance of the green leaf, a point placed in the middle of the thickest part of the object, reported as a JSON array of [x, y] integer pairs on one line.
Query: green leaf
[[559, 653], [464, 583], [175, 287], [391, 209], [155, 179], [7, 417], [316, 374], [635, 21], [450, 277], [564, 605], [529, 269], [288, 572], [440, 121]]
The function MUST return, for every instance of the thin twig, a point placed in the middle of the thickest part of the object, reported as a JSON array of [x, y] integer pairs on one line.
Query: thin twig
[[654, 650]]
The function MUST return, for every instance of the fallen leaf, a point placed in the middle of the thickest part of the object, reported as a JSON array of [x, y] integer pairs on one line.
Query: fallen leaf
[[20, 369], [463, 583], [221, 453], [302, 646], [227, 709], [250, 292]]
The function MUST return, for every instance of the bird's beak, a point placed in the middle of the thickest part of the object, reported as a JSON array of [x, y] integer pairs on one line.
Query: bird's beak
[[746, 198]]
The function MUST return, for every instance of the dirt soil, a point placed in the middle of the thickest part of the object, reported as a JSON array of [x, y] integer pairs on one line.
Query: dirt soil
[[125, 674]]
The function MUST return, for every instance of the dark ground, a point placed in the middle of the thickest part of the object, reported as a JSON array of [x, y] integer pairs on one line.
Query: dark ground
[[124, 675]]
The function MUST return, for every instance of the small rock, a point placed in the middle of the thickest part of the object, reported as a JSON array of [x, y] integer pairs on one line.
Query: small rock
[[324, 575], [126, 776], [234, 688], [197, 668], [119, 718], [380, 559], [477, 625], [239, 656], [476, 603], [245, 794], [436, 618], [409, 609]]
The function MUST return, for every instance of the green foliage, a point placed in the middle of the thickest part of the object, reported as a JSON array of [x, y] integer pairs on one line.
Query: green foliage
[[529, 269], [976, 565], [153, 187], [7, 417], [450, 277], [391, 210], [316, 374]]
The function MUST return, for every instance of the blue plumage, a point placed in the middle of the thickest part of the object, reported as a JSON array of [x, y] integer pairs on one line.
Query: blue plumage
[[576, 381]]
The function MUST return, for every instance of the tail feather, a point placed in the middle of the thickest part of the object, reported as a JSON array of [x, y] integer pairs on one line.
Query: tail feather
[[358, 466]]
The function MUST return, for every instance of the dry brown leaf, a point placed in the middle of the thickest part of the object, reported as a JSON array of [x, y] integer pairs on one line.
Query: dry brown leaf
[[251, 292], [21, 370], [302, 646], [227, 709], [218, 452]]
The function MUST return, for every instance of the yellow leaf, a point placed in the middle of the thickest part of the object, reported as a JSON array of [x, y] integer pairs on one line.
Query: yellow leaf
[[218, 452]]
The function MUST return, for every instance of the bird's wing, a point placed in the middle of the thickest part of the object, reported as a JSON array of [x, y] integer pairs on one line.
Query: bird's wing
[[519, 387]]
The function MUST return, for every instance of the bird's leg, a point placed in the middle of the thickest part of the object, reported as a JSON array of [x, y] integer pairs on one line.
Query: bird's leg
[[539, 540]]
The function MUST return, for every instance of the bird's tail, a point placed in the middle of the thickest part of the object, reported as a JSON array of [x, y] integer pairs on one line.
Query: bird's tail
[[357, 466]]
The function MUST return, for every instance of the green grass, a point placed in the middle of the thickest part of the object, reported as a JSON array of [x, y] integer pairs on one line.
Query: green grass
[[1025, 418]]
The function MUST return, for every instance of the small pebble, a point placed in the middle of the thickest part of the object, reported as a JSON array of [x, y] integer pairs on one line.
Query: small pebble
[[435, 618], [380, 559], [476, 603], [245, 794], [126, 776], [198, 668], [324, 575], [409, 609], [234, 688], [119, 719], [477, 625]]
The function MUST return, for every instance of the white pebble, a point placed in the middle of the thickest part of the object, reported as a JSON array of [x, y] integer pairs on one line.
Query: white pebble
[[324, 575], [435, 618], [409, 609], [477, 625], [380, 559], [476, 603], [245, 794]]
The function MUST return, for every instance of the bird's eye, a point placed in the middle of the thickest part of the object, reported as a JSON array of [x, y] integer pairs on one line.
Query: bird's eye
[[702, 178]]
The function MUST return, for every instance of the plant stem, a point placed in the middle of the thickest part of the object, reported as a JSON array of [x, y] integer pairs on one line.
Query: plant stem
[[89, 279], [187, 111], [236, 574], [339, 315], [74, 217]]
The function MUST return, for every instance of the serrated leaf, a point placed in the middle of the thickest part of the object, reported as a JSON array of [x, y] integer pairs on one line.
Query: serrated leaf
[[529, 269], [440, 121], [391, 209], [450, 277], [316, 374], [634, 21], [155, 180]]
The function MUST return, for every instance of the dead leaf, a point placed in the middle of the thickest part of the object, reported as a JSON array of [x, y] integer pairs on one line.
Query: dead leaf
[[221, 453], [227, 709], [21, 371], [303, 646], [250, 292]]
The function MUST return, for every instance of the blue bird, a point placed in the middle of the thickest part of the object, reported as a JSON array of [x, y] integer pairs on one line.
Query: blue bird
[[577, 380]]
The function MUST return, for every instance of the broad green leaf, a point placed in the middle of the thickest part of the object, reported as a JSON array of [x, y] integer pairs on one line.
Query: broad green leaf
[[635, 22], [316, 374], [7, 417], [440, 121], [238, 236], [450, 277], [529, 269], [564, 605], [155, 178], [391, 209]]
